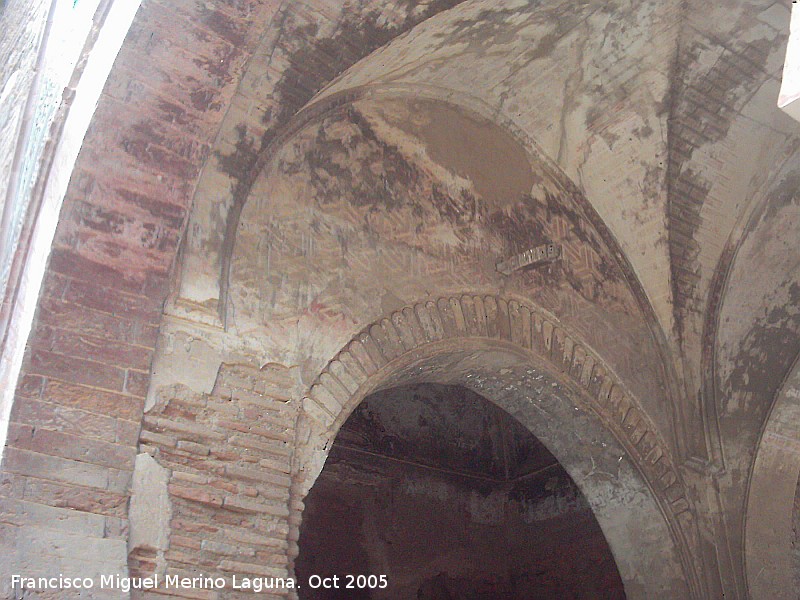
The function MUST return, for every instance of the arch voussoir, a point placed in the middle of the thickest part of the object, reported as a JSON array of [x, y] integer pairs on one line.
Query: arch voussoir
[[394, 347], [524, 326]]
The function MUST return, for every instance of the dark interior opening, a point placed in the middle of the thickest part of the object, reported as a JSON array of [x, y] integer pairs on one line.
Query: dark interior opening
[[449, 497]]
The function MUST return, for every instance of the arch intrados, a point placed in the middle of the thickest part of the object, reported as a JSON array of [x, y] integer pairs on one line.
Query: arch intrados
[[496, 359], [645, 553]]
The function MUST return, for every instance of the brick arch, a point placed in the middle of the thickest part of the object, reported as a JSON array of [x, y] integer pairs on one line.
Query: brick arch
[[493, 322]]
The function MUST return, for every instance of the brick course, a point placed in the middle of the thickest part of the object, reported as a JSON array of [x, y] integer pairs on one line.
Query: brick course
[[229, 499], [78, 409]]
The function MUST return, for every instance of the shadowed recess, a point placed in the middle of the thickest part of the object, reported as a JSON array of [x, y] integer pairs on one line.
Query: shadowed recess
[[450, 497]]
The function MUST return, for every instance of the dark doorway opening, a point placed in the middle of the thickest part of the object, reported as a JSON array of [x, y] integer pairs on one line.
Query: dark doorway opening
[[448, 497]]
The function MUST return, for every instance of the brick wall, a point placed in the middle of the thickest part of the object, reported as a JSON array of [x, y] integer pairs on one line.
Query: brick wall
[[67, 467], [75, 423], [227, 457]]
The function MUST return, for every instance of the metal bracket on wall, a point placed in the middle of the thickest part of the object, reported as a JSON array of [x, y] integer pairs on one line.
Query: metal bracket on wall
[[538, 255]]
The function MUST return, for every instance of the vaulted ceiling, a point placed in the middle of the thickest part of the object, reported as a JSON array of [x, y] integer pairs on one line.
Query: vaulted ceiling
[[658, 121], [292, 151]]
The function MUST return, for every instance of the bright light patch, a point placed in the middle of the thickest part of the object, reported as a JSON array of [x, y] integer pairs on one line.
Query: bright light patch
[[789, 97]]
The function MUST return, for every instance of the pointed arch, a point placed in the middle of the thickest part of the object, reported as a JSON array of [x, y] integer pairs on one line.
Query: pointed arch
[[527, 363]]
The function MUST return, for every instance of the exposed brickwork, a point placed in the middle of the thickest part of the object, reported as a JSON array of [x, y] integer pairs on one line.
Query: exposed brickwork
[[74, 420], [81, 393], [704, 104], [495, 317], [228, 455], [73, 431], [202, 89], [78, 399], [124, 212], [407, 330]]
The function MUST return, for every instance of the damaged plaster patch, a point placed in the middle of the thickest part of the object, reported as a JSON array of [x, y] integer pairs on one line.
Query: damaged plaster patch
[[183, 358], [315, 58], [477, 151], [759, 325], [150, 509]]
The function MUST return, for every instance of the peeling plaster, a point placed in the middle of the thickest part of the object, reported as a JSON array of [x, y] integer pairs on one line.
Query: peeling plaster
[[150, 509]]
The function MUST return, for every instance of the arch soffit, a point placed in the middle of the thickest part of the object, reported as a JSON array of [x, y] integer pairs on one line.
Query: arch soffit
[[719, 289], [330, 104], [407, 334], [490, 317]]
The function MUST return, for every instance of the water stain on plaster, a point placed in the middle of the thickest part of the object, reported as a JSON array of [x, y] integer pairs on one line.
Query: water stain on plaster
[[496, 168], [785, 193], [383, 173], [497, 26], [314, 61], [765, 354], [349, 161], [770, 305], [477, 150]]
